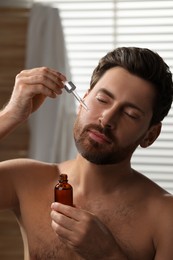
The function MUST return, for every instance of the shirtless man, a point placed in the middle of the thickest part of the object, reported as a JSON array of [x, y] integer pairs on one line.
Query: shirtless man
[[118, 213]]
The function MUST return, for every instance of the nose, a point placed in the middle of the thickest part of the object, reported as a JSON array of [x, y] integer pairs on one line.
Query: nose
[[109, 118]]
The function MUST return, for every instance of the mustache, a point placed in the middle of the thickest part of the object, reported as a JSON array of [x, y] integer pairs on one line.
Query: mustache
[[106, 131]]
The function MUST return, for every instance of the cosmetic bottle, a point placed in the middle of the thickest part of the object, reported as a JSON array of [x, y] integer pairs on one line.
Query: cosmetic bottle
[[64, 191]]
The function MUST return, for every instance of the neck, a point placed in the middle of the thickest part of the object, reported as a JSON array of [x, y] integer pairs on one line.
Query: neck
[[91, 177]]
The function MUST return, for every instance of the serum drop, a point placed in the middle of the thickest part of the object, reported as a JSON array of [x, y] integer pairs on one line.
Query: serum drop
[[64, 191]]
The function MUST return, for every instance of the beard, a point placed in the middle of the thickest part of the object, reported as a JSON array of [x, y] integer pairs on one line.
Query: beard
[[99, 153]]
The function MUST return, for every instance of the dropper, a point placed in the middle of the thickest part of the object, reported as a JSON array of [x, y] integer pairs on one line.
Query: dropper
[[70, 88]]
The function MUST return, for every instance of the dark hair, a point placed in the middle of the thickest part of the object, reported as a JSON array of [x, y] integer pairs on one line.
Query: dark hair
[[147, 65]]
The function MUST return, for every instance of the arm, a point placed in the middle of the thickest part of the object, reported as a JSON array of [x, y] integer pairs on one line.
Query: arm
[[163, 236], [30, 90], [84, 233]]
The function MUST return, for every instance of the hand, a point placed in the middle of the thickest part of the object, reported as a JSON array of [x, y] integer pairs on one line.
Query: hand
[[84, 233], [30, 90]]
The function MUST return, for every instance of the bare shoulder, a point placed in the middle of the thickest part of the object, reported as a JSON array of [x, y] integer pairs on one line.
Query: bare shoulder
[[163, 227], [159, 203], [18, 174], [22, 170], [159, 200], [23, 164], [164, 208]]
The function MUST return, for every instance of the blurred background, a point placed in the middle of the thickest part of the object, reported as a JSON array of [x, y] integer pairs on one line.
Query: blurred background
[[72, 36]]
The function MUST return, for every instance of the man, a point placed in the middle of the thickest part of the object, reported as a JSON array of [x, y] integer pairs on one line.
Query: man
[[118, 213]]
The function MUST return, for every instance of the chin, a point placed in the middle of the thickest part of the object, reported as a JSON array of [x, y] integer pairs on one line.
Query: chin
[[101, 160]]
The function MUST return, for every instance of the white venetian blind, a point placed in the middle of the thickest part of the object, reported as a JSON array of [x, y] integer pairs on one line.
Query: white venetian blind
[[92, 28]]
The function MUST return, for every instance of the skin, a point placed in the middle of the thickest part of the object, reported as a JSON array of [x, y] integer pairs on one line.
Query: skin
[[118, 213]]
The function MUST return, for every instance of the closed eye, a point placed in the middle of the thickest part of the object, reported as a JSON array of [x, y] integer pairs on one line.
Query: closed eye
[[102, 100], [133, 116], [104, 96]]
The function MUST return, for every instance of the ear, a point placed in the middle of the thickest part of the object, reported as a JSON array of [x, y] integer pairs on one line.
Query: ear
[[151, 135]]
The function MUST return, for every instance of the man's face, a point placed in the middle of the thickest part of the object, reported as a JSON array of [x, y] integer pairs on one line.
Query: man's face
[[120, 110]]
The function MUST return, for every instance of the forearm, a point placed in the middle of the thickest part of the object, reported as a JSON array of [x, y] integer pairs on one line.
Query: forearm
[[8, 122]]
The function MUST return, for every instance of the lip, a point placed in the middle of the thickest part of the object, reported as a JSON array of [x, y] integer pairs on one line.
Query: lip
[[98, 137]]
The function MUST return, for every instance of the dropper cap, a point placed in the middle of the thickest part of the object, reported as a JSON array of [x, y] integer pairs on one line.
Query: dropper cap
[[63, 177]]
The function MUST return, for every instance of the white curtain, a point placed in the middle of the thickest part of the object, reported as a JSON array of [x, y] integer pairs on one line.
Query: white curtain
[[51, 138]]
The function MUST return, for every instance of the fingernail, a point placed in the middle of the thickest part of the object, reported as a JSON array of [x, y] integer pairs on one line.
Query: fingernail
[[54, 205]]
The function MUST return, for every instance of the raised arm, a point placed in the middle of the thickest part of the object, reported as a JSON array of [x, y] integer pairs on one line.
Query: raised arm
[[30, 90]]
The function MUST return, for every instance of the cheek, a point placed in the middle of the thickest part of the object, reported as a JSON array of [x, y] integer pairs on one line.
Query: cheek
[[91, 114], [130, 135], [90, 102], [87, 117], [94, 111]]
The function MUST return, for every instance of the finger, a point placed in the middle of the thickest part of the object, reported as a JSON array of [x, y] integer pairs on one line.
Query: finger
[[50, 78], [61, 231], [54, 85], [43, 70], [66, 210], [43, 74], [69, 237], [39, 84], [63, 220], [31, 90]]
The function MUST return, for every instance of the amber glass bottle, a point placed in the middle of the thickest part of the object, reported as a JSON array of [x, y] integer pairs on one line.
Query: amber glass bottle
[[64, 191]]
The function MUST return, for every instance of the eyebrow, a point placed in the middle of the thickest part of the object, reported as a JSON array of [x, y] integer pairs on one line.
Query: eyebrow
[[107, 92], [111, 95]]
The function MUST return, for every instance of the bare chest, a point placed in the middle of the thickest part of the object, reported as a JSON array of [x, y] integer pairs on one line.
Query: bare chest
[[127, 223]]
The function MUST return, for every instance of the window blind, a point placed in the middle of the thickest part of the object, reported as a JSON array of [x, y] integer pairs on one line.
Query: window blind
[[92, 28]]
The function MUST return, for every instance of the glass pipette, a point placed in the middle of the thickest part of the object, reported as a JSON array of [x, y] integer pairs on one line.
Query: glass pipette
[[70, 88]]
